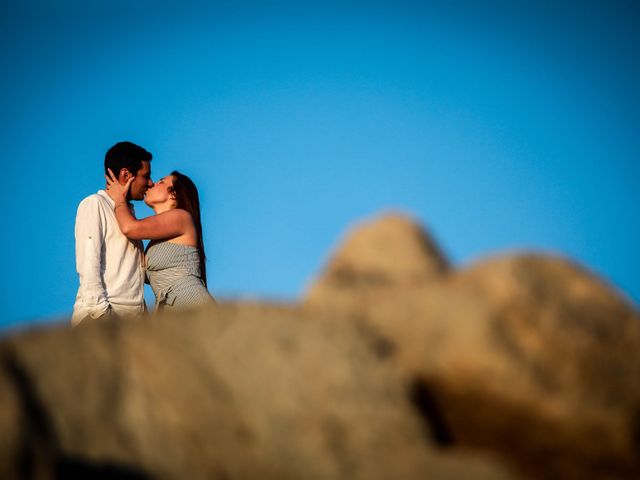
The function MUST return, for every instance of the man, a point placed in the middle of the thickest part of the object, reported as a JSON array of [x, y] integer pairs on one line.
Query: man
[[110, 266]]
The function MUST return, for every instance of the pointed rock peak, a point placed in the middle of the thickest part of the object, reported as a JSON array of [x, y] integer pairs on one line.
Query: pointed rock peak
[[390, 249]]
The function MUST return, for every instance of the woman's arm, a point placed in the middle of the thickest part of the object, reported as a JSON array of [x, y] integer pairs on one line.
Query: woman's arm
[[169, 224]]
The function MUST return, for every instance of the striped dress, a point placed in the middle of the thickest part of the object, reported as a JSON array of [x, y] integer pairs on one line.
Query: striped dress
[[173, 271]]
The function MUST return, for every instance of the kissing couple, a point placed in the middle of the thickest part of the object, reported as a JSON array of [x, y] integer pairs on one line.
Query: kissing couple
[[111, 262]]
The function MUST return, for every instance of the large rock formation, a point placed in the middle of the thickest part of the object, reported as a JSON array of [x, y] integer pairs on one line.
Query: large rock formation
[[395, 366], [535, 358], [238, 392], [528, 356]]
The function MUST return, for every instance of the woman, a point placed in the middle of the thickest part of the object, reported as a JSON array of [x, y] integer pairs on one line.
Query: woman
[[175, 259]]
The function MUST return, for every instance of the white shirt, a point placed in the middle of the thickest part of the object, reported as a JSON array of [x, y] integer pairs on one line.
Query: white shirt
[[110, 266]]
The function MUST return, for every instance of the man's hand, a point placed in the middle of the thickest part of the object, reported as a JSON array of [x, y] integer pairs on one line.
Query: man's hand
[[106, 315]]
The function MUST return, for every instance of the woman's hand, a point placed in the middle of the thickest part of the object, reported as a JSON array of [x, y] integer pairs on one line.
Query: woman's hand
[[116, 191]]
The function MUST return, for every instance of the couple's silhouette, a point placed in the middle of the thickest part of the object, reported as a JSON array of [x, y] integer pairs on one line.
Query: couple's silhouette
[[110, 260]]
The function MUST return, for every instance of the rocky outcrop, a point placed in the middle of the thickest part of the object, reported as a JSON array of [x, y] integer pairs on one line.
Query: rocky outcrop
[[379, 262], [528, 356], [238, 392], [389, 252], [394, 366], [537, 359]]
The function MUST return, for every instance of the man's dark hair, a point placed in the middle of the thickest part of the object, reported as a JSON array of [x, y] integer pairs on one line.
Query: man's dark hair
[[125, 155]]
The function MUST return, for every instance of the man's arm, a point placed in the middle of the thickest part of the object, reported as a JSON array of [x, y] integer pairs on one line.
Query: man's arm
[[89, 239]]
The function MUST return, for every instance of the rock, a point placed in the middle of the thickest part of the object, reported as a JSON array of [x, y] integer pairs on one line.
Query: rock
[[528, 356], [395, 366], [391, 251], [379, 263], [237, 392], [536, 358]]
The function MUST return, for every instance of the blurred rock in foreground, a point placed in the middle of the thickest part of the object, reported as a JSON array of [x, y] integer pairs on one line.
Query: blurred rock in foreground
[[236, 392], [395, 366]]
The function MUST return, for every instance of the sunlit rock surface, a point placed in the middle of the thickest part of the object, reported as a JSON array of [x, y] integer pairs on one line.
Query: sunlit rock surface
[[394, 365]]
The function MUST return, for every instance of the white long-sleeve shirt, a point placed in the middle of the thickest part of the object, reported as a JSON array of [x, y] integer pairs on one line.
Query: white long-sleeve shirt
[[110, 266]]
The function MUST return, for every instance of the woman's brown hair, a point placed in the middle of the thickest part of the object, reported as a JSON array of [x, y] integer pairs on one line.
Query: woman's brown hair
[[187, 198]]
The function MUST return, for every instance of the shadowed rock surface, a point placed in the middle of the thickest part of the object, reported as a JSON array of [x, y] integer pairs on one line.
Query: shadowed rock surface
[[394, 366], [535, 358]]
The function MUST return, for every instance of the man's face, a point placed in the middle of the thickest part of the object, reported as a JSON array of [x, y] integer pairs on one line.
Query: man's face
[[142, 182]]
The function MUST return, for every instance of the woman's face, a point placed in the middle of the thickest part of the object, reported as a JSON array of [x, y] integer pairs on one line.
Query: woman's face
[[160, 192]]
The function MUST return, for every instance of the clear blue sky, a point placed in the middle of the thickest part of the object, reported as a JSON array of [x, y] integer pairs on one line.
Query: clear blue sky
[[502, 127]]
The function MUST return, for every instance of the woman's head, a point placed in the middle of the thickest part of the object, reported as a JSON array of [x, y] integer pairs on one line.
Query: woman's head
[[178, 191], [174, 191], [162, 194]]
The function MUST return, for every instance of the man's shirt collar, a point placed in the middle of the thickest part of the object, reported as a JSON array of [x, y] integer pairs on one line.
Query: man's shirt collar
[[106, 196]]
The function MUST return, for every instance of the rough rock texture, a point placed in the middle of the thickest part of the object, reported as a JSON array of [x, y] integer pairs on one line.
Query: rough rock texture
[[528, 356], [236, 392]]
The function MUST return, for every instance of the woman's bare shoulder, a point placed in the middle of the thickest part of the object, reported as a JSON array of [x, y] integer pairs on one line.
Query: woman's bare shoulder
[[177, 214]]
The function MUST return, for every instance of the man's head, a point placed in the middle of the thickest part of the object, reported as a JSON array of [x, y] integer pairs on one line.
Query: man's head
[[126, 159]]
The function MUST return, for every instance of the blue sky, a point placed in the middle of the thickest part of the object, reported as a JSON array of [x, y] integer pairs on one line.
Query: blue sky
[[502, 127]]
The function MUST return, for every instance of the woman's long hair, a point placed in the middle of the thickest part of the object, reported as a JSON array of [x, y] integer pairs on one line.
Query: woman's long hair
[[187, 198]]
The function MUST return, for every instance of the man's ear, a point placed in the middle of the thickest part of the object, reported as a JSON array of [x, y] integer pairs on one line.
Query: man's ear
[[124, 175]]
